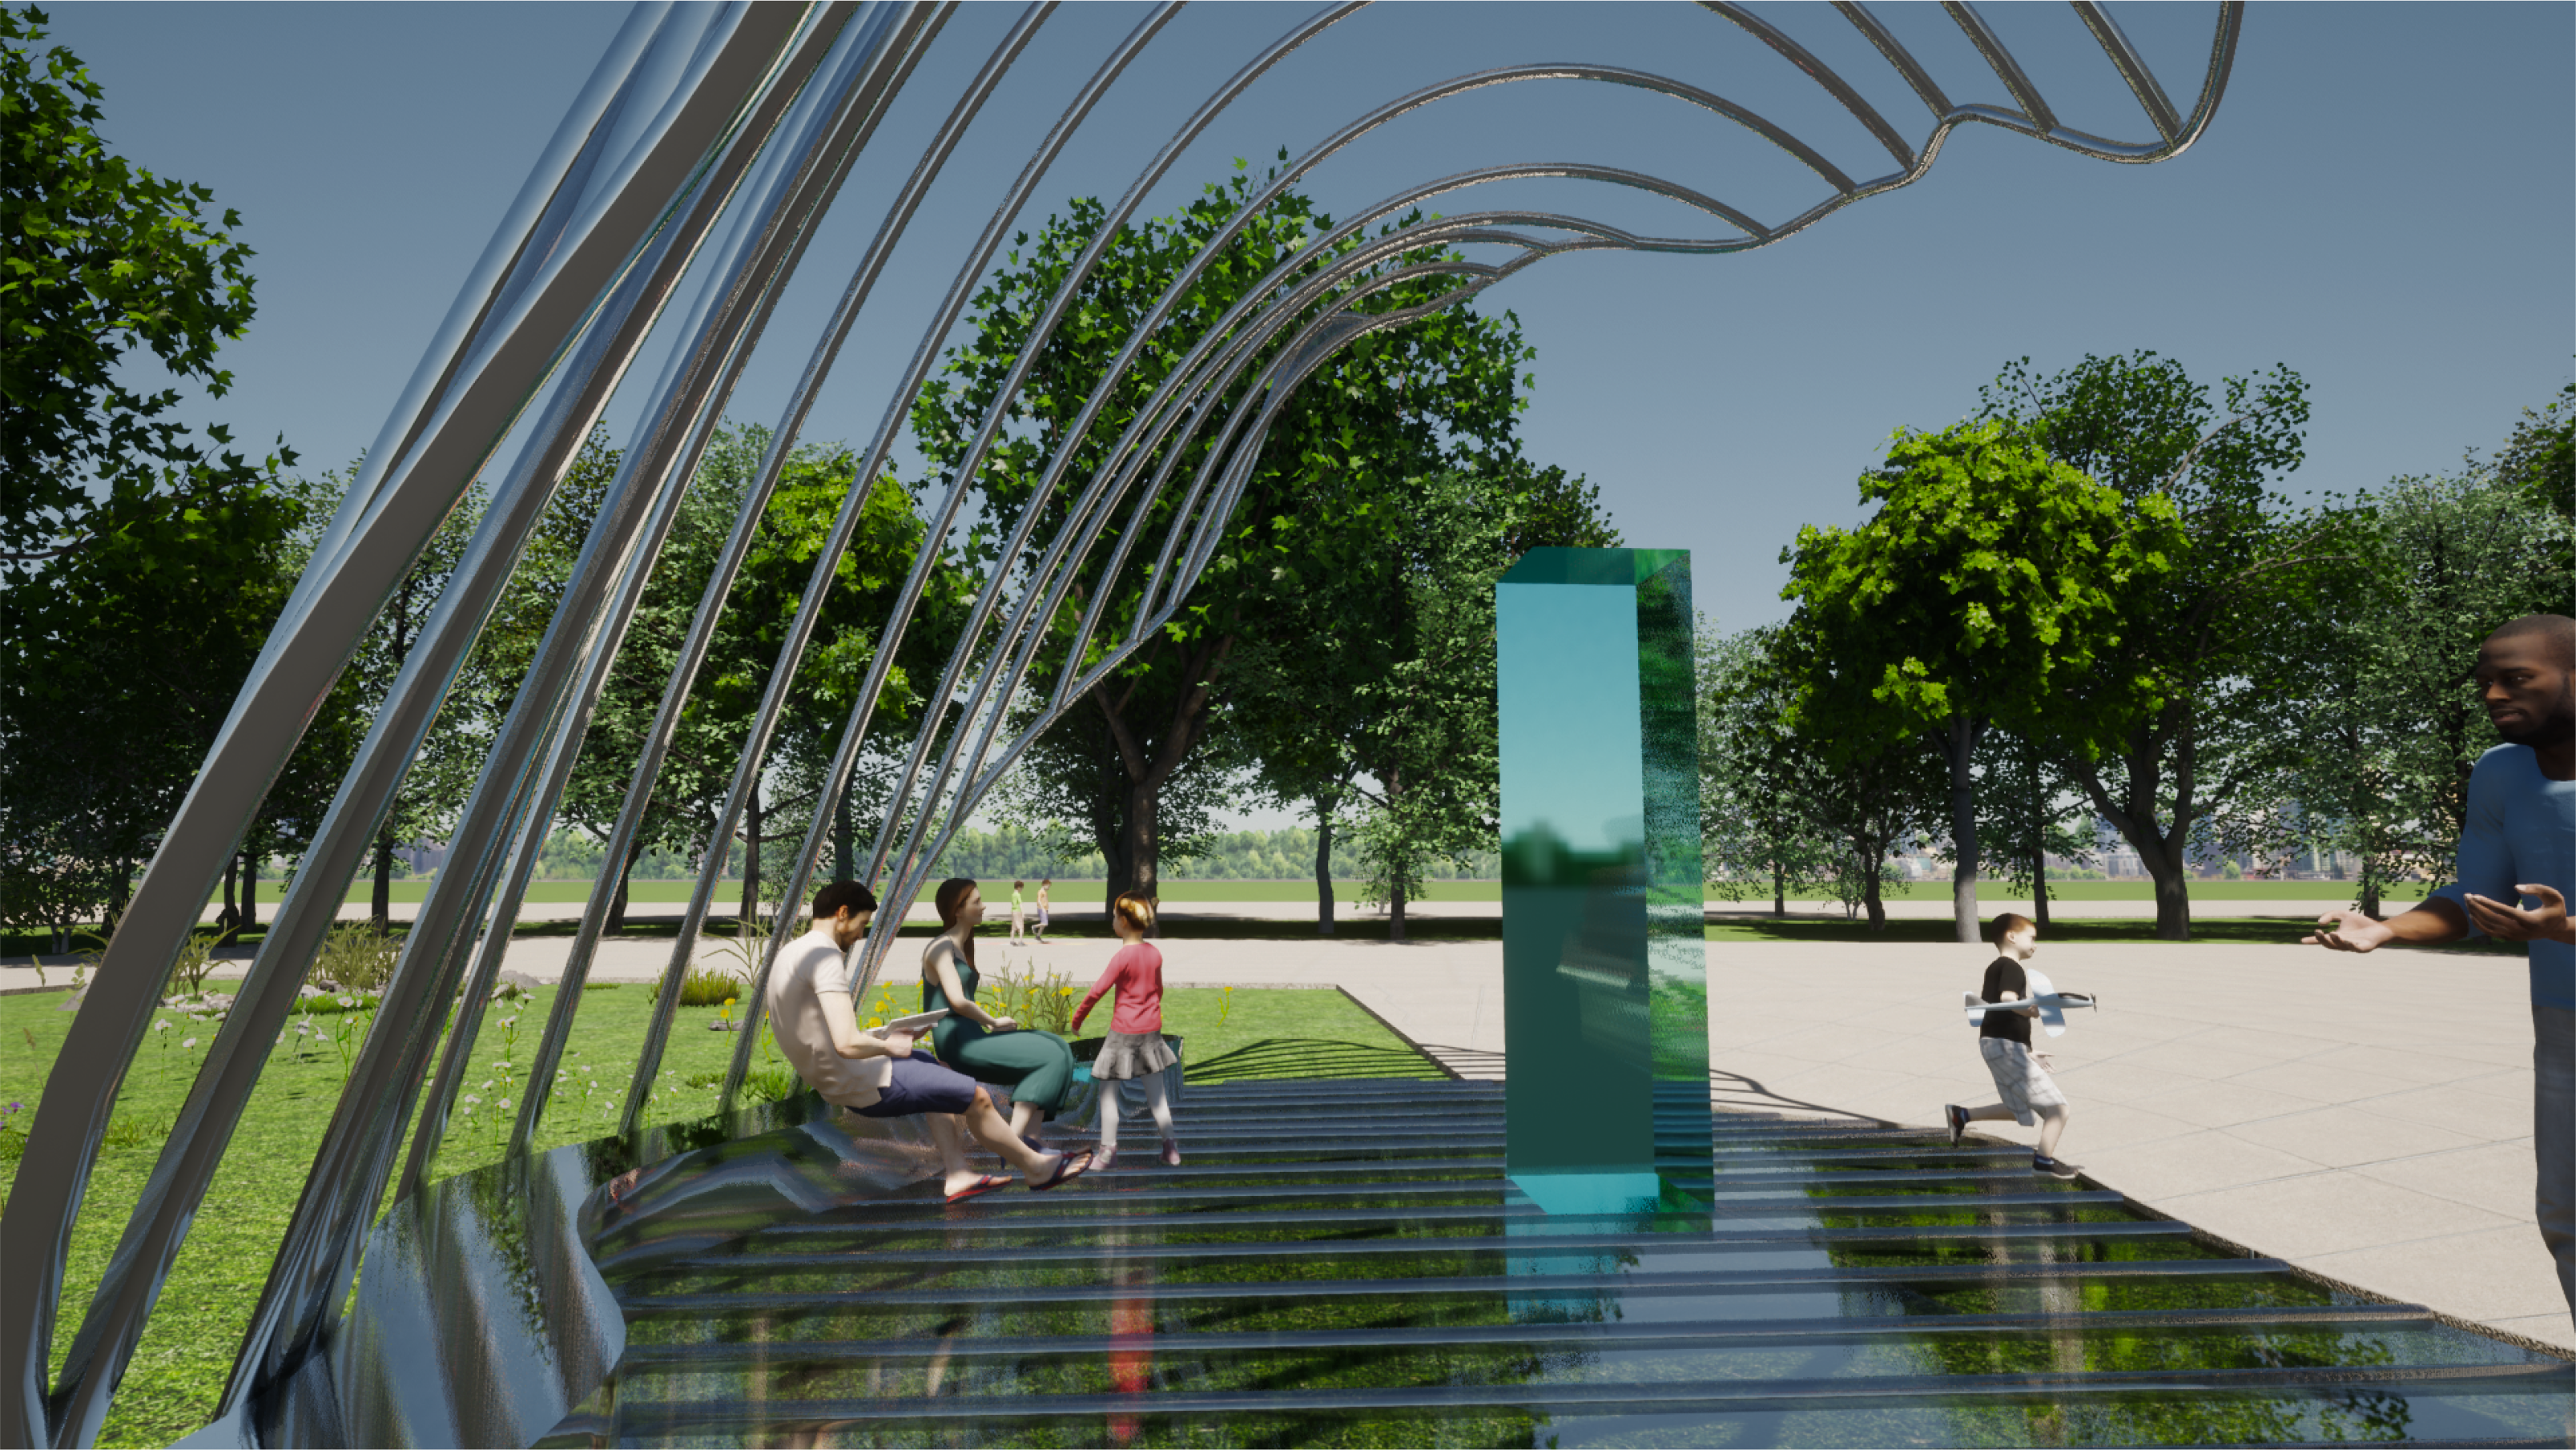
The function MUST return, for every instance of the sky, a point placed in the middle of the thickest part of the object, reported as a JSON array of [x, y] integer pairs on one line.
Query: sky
[[2386, 203]]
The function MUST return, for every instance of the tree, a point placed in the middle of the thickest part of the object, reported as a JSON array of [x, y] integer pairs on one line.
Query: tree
[[103, 259], [2198, 764], [1989, 582], [2028, 809], [1758, 784], [1336, 702], [1400, 404], [2389, 724], [121, 661]]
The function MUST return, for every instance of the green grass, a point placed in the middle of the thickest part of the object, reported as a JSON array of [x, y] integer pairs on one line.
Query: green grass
[[187, 1349]]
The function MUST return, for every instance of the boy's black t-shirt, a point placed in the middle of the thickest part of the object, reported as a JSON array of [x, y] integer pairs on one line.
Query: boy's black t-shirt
[[2006, 975]]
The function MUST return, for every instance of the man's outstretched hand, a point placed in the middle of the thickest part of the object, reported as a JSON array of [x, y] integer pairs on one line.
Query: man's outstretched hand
[[2348, 931], [2507, 922]]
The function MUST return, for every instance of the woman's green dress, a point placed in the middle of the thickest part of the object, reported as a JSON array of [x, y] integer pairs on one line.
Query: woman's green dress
[[1036, 1066]]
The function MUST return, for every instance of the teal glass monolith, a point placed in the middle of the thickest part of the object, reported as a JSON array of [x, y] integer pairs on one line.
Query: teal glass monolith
[[1605, 989]]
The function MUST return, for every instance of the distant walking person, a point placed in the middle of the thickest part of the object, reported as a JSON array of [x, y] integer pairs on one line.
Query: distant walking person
[[1019, 915], [1036, 1068], [2021, 1076], [2519, 845], [1044, 882], [1135, 1048]]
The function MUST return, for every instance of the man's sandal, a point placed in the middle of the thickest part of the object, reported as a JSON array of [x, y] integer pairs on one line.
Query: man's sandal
[[985, 1184], [1066, 1169]]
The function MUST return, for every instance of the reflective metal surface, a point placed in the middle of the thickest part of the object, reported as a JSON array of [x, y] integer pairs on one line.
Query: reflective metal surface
[[1345, 1263], [708, 146]]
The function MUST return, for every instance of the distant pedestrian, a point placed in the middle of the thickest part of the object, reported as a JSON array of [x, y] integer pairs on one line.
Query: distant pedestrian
[[2021, 1076], [1043, 883], [1019, 915], [1135, 1048]]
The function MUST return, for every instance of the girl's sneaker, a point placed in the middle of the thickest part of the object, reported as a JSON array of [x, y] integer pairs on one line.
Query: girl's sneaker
[[1171, 1153], [2052, 1167]]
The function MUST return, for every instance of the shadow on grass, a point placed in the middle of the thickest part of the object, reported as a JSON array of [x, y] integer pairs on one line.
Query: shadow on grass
[[1309, 1057]]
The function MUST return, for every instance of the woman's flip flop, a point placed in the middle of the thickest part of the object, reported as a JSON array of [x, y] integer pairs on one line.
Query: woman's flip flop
[[1065, 1168], [985, 1184]]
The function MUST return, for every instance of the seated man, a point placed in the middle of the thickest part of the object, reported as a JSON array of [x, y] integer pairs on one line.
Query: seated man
[[818, 1030]]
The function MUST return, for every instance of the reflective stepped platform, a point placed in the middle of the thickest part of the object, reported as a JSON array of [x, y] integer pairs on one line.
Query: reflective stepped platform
[[1344, 1263]]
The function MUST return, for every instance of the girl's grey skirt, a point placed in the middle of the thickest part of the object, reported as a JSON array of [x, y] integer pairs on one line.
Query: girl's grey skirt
[[1126, 1055]]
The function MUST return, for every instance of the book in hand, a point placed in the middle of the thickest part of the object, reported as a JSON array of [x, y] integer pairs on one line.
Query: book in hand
[[878, 1072]]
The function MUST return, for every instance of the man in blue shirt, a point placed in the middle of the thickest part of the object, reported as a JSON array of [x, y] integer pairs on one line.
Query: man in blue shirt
[[2517, 870]]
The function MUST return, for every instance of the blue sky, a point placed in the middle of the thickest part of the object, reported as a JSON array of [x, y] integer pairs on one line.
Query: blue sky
[[2386, 202]]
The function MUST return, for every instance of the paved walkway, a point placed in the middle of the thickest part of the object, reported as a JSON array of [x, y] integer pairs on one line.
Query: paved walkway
[[2367, 1118]]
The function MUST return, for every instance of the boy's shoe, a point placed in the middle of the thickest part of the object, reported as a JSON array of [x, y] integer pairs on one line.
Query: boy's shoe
[[1957, 1117], [2053, 1167]]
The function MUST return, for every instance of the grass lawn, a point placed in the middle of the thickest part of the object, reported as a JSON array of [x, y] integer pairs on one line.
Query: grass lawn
[[179, 1368]]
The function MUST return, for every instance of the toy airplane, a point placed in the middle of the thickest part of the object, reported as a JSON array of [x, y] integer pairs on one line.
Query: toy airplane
[[2052, 1003]]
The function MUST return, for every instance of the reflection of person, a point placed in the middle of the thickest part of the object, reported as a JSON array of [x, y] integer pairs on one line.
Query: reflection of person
[[1019, 913], [818, 1031], [1037, 1067], [2518, 845], [1135, 1047], [1044, 882], [2021, 1076]]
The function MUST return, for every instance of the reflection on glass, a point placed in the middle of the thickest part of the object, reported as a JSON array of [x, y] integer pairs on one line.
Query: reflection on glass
[[1604, 972]]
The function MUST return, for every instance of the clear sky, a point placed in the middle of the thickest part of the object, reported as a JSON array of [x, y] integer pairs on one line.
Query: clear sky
[[2387, 203]]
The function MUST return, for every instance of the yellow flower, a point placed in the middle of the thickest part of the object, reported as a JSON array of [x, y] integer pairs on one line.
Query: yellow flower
[[875, 1023]]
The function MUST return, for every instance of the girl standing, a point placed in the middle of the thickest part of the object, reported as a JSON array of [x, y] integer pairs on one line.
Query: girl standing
[[1036, 1067], [1135, 1047], [1019, 914], [1043, 883]]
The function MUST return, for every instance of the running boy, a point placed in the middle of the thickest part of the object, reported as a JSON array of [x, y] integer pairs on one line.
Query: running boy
[[2020, 1075]]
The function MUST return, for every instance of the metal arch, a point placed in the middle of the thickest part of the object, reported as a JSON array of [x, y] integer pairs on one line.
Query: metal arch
[[944, 516], [925, 356], [548, 1054], [557, 279], [1077, 275], [303, 1294], [683, 122], [356, 1154]]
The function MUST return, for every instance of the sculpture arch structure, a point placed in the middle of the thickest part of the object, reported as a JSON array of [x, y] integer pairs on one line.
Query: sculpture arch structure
[[710, 142]]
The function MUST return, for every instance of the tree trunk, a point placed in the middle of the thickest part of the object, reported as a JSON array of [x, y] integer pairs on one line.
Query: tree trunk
[[1395, 911], [120, 892], [1871, 898], [2173, 899], [249, 890], [1779, 889], [2038, 838], [842, 867], [1324, 865], [225, 920], [751, 857], [2369, 902], [625, 878], [383, 912], [1142, 833], [1959, 747]]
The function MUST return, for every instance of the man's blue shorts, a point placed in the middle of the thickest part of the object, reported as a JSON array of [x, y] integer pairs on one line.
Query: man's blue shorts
[[921, 1086]]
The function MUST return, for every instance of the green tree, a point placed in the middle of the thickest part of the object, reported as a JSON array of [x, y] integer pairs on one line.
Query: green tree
[[2198, 764], [1758, 784], [1988, 583], [101, 259], [118, 663], [1316, 701], [2389, 723], [1134, 763], [2028, 809]]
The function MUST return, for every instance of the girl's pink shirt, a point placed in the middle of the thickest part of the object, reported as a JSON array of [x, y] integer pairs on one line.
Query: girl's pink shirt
[[1137, 973]]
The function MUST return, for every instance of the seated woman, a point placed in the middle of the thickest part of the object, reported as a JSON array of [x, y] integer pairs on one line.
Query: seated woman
[[1036, 1067]]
